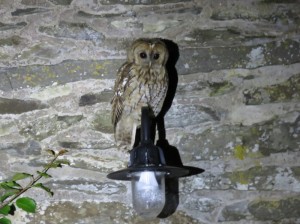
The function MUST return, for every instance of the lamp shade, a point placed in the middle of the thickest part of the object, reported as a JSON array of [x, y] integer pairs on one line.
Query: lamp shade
[[148, 157]]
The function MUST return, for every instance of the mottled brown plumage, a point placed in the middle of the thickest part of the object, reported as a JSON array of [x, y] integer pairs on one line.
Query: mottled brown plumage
[[141, 81]]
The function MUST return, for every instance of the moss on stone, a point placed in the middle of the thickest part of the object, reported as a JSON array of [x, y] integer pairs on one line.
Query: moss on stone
[[275, 209], [11, 41], [247, 177], [240, 177], [283, 92], [240, 152], [221, 88], [255, 155]]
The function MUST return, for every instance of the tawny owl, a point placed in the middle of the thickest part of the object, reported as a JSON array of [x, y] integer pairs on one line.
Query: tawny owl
[[141, 81]]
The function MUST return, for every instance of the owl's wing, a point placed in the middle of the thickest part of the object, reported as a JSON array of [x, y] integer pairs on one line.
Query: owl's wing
[[121, 83]]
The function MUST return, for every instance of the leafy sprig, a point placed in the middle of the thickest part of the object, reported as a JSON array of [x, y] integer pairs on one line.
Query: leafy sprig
[[12, 190]]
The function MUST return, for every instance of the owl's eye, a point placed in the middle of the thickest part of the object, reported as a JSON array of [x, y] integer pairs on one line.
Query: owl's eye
[[156, 56], [143, 55]]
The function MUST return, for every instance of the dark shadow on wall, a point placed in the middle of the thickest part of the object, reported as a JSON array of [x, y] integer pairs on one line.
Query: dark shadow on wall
[[171, 153], [173, 81]]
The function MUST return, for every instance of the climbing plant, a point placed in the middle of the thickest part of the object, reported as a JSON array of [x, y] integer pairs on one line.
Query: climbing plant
[[11, 190]]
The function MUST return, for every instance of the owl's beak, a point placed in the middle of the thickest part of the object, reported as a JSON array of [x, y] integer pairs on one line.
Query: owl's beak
[[150, 63]]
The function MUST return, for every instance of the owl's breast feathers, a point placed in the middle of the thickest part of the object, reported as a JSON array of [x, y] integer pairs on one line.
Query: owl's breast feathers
[[138, 86]]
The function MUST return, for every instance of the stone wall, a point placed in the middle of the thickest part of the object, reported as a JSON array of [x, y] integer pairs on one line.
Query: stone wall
[[236, 112]]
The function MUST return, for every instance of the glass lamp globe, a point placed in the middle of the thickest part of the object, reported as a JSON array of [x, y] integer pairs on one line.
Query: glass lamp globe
[[148, 193]]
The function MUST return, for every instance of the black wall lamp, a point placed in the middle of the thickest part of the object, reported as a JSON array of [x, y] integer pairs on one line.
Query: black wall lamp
[[147, 171]]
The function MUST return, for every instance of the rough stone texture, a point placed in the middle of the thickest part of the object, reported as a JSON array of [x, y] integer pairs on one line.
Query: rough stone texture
[[236, 112]]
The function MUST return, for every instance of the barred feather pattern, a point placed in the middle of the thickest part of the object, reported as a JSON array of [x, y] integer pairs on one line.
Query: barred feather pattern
[[136, 87], [141, 81]]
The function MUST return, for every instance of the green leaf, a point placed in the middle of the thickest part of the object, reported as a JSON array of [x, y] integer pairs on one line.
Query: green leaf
[[58, 163], [27, 204], [8, 209], [51, 152], [20, 176], [8, 194], [46, 175], [63, 161], [8, 185], [53, 165], [5, 221], [5, 210], [40, 185]]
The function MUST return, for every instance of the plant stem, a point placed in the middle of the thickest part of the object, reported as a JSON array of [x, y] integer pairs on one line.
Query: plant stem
[[32, 182]]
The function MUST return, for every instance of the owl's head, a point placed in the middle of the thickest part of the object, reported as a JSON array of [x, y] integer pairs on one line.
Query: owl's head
[[148, 53]]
